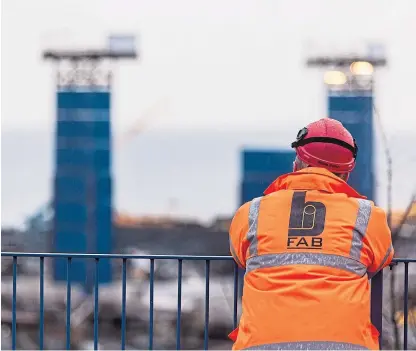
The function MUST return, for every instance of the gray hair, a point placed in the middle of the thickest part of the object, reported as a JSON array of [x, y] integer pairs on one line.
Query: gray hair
[[300, 164]]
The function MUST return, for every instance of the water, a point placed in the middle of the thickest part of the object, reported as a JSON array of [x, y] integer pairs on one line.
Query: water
[[166, 172]]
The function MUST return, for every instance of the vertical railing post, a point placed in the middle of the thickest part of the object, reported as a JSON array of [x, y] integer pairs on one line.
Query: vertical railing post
[[206, 326], [96, 302], [406, 304], [151, 307], [178, 318], [41, 301], [14, 303], [123, 304], [68, 303], [377, 303]]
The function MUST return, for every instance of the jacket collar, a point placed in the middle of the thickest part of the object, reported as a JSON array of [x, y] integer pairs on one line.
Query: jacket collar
[[313, 178]]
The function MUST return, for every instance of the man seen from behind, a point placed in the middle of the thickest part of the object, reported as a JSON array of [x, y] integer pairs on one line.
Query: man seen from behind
[[309, 247]]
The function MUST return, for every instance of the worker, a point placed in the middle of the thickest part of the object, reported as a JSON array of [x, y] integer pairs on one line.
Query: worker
[[309, 247]]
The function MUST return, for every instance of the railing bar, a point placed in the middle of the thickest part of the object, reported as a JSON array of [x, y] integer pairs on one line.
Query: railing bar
[[123, 304], [14, 303], [152, 291], [206, 329], [96, 288], [68, 303], [41, 301], [119, 256], [235, 311], [406, 307], [178, 318], [158, 257]]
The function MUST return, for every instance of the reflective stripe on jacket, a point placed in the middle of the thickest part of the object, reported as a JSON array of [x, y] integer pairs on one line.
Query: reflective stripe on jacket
[[309, 247]]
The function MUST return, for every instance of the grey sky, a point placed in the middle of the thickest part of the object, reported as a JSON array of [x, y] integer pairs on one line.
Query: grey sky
[[223, 65]]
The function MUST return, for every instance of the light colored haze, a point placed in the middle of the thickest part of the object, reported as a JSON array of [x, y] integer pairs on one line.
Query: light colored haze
[[225, 66]]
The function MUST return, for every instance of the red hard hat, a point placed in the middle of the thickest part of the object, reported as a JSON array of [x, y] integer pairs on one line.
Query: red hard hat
[[326, 143]]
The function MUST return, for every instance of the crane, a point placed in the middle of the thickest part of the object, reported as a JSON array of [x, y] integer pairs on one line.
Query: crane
[[148, 117]]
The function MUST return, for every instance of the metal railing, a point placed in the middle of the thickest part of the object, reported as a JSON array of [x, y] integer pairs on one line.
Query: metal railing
[[376, 294], [124, 258]]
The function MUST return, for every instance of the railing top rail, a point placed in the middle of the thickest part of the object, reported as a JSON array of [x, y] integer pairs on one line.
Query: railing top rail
[[121, 256], [156, 257], [404, 260]]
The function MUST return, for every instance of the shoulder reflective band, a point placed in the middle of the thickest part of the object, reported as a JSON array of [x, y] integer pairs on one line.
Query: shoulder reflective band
[[253, 219], [309, 345], [306, 258], [302, 141]]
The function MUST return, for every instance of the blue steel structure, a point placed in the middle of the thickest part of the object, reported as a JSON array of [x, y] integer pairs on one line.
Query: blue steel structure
[[83, 181], [376, 293], [260, 168], [354, 109], [350, 101], [82, 200]]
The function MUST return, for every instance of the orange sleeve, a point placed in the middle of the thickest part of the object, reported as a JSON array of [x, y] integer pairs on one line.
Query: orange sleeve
[[238, 234], [378, 238]]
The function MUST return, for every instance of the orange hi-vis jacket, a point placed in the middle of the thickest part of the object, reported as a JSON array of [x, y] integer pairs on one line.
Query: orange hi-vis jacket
[[309, 248]]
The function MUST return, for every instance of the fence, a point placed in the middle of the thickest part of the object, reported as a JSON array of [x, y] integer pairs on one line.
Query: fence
[[376, 293]]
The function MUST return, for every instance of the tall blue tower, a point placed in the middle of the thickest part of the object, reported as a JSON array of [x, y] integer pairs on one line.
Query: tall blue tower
[[349, 83], [260, 168], [82, 188], [355, 111]]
